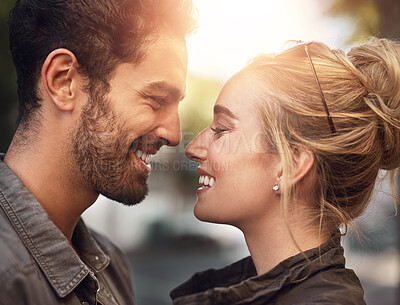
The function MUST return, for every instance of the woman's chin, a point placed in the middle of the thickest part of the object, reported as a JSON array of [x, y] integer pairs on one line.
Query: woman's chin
[[205, 214]]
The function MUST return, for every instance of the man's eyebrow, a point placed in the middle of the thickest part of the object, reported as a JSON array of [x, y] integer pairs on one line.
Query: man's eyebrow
[[224, 110], [162, 86]]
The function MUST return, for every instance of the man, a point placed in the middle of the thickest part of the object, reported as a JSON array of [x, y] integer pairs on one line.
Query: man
[[99, 84]]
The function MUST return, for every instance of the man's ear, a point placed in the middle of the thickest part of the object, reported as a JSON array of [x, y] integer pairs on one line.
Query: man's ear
[[60, 78]]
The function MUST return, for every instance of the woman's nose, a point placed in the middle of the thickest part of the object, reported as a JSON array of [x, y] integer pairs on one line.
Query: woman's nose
[[197, 149]]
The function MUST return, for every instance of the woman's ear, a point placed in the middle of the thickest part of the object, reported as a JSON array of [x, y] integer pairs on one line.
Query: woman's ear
[[60, 78], [303, 163]]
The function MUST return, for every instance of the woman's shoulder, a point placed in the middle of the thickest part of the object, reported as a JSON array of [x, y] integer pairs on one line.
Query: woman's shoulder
[[323, 279], [331, 286]]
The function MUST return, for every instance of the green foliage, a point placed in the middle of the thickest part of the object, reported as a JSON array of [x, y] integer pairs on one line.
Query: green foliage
[[378, 18]]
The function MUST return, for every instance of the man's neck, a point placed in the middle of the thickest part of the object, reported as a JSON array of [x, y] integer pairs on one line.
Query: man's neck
[[47, 174]]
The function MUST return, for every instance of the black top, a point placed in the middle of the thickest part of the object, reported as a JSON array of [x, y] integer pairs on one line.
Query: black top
[[322, 280]]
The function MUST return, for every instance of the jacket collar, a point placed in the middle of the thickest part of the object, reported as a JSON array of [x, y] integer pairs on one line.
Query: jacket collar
[[50, 248], [239, 281]]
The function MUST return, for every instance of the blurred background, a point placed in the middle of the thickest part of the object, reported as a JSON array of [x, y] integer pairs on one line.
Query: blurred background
[[164, 243]]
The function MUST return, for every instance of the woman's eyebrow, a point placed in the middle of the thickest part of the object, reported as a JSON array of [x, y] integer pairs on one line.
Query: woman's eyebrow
[[221, 109]]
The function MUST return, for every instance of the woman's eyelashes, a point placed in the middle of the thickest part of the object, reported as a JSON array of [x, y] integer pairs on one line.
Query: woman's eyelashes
[[219, 131]]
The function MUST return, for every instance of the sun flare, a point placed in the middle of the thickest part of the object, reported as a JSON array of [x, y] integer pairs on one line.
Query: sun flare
[[233, 31]]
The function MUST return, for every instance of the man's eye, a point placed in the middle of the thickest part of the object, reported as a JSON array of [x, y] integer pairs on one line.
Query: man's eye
[[155, 101], [158, 99]]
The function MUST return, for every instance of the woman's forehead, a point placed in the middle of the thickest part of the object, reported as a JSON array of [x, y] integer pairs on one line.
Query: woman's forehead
[[241, 91]]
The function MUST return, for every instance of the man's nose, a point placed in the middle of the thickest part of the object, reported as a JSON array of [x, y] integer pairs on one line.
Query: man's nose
[[170, 129]]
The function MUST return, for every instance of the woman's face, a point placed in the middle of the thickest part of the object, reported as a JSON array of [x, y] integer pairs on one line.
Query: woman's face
[[237, 170]]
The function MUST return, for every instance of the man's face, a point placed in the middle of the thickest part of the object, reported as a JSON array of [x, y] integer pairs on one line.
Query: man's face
[[116, 135]]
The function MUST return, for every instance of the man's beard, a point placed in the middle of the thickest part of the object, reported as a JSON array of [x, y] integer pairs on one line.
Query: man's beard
[[101, 148]]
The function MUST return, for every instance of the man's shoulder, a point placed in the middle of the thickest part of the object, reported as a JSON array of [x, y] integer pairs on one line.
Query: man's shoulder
[[14, 257], [18, 269]]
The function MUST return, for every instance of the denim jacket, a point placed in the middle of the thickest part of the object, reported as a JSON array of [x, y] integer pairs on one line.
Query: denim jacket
[[38, 265]]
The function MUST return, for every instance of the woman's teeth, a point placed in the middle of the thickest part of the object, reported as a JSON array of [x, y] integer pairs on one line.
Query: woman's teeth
[[206, 181], [145, 157]]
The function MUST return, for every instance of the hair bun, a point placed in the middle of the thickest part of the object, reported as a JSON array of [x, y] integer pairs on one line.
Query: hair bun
[[378, 61]]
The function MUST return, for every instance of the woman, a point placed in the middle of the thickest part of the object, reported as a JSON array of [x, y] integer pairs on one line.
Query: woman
[[292, 154]]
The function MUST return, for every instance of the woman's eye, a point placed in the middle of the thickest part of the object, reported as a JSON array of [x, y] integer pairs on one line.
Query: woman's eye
[[218, 131]]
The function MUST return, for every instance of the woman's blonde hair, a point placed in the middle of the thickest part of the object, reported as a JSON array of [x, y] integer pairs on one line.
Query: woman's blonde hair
[[362, 91]]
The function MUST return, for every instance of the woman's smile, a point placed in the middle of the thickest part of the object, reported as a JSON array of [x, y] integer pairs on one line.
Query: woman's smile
[[205, 180]]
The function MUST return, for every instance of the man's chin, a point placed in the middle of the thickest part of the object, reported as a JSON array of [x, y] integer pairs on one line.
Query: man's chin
[[126, 198]]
